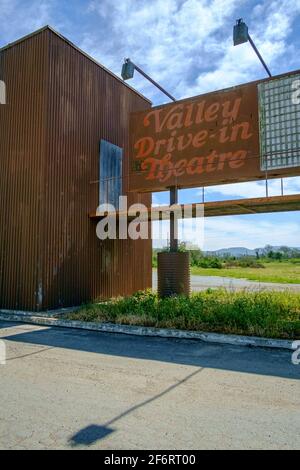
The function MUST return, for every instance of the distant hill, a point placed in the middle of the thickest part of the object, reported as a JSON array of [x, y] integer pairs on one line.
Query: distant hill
[[239, 251], [242, 251], [234, 251]]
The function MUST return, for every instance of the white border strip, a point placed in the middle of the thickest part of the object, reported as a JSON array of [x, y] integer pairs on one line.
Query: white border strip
[[233, 340]]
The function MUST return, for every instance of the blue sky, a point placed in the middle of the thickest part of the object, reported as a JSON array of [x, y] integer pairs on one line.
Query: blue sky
[[186, 45]]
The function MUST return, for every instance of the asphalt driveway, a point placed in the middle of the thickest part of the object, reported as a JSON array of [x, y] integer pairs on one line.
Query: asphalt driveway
[[200, 283], [64, 388]]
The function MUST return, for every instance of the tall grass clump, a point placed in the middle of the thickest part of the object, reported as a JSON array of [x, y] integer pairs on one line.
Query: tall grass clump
[[260, 313]]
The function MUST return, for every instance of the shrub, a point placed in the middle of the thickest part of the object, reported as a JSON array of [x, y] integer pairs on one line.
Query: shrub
[[207, 262], [245, 262], [270, 314]]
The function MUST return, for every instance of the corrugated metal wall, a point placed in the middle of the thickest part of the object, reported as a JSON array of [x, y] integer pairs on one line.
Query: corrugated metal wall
[[22, 145], [62, 105]]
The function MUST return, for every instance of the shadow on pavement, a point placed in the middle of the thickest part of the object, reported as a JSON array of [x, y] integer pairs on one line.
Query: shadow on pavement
[[94, 433], [4, 324], [260, 361], [90, 435]]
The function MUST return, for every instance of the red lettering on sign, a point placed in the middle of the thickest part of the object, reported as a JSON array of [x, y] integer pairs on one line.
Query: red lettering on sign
[[203, 140]]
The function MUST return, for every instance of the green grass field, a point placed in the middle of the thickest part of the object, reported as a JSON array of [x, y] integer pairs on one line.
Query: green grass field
[[268, 314], [274, 271]]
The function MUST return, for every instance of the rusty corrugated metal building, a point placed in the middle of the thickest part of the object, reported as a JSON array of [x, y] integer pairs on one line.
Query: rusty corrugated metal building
[[60, 105]]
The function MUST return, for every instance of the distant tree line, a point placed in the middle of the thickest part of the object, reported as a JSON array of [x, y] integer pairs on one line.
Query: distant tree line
[[200, 259], [284, 252]]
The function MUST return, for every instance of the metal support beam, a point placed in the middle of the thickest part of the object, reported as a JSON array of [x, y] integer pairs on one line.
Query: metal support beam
[[260, 205], [173, 220], [259, 55], [138, 69]]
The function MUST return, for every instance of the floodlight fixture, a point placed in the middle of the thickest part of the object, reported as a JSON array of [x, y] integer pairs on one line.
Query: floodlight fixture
[[241, 35]]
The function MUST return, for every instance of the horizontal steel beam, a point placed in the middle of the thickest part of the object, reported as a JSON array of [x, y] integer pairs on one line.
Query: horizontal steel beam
[[222, 208]]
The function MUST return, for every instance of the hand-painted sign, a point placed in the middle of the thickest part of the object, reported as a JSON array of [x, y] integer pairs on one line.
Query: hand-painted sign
[[216, 138]]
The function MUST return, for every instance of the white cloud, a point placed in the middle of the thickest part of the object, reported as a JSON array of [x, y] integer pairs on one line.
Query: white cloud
[[272, 24], [250, 232], [189, 230], [19, 18], [254, 188], [168, 38], [187, 45], [223, 232]]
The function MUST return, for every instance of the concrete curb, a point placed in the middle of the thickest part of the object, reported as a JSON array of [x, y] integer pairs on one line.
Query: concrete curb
[[46, 313], [234, 340]]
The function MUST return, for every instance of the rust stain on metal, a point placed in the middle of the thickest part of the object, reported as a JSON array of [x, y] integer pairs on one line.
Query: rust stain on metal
[[60, 104], [206, 140], [173, 271]]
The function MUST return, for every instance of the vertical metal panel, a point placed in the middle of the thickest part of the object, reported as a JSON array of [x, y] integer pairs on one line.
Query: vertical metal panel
[[2, 92], [173, 274], [85, 105], [110, 184], [2, 82], [60, 104], [22, 152]]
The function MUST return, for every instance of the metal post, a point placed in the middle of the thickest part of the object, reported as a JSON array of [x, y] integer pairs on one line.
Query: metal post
[[267, 182], [138, 69], [259, 56], [173, 220]]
